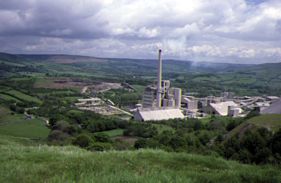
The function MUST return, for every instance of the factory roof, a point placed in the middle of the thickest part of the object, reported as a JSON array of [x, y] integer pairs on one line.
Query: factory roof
[[158, 114], [274, 108], [89, 99], [222, 107], [272, 97], [263, 104]]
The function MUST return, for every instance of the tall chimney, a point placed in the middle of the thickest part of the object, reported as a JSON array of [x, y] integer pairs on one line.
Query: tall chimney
[[159, 80]]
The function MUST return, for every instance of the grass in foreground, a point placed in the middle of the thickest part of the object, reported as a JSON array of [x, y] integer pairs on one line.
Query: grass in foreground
[[21, 163]]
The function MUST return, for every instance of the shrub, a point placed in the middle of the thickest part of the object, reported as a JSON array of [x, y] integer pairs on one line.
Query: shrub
[[100, 146], [101, 137], [82, 140], [57, 136], [140, 143]]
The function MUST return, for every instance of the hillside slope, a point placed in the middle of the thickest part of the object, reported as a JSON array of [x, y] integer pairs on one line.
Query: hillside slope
[[271, 122], [29, 163], [201, 77]]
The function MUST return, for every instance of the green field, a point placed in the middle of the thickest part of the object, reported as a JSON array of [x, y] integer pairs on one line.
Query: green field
[[17, 125], [75, 111], [22, 96], [113, 133], [43, 163], [8, 97], [72, 99], [139, 88]]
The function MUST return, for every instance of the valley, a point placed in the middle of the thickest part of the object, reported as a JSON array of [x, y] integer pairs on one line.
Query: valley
[[42, 124]]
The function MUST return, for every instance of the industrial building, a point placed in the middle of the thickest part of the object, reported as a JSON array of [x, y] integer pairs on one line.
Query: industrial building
[[169, 97], [160, 101], [190, 103], [228, 108], [158, 114]]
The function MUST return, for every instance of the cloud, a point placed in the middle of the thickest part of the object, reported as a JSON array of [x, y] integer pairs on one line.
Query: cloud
[[219, 30]]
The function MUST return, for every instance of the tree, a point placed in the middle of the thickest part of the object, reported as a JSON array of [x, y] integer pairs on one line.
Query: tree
[[275, 143], [20, 110], [262, 155], [57, 136], [253, 142], [100, 146], [245, 156], [177, 142], [231, 126], [253, 113], [102, 137], [140, 143], [53, 121], [82, 140], [13, 107]]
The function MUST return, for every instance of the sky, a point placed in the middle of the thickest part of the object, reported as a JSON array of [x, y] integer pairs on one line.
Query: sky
[[236, 31]]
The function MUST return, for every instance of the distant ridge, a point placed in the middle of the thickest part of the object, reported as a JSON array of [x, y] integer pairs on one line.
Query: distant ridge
[[207, 67]]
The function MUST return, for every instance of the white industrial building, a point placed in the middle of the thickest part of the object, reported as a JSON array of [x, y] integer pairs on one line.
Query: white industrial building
[[228, 108], [190, 103], [158, 114], [160, 102]]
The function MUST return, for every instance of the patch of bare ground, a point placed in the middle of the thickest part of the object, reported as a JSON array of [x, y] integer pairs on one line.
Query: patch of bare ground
[[60, 83], [129, 140], [105, 86]]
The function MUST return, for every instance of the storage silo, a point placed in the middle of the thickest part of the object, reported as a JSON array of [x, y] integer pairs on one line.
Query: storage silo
[[177, 96]]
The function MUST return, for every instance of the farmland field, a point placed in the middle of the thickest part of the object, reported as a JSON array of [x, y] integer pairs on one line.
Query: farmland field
[[22, 96], [8, 97], [18, 125], [58, 83]]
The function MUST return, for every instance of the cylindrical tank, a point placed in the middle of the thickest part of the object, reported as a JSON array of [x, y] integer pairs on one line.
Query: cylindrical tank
[[177, 95]]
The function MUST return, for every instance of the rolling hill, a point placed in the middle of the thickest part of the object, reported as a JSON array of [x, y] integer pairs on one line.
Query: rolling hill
[[201, 77], [41, 163], [272, 122]]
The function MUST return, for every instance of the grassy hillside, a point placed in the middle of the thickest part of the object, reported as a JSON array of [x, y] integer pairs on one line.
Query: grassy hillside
[[20, 163], [271, 122], [22, 96], [18, 125]]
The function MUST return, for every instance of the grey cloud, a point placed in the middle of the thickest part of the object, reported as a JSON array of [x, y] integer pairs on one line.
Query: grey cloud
[[185, 29]]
